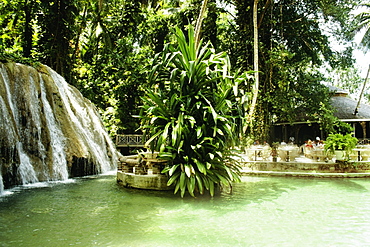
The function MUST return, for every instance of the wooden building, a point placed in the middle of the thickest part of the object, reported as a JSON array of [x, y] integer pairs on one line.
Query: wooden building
[[345, 108]]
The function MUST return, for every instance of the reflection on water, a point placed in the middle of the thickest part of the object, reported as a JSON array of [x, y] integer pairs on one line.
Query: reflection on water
[[261, 211]]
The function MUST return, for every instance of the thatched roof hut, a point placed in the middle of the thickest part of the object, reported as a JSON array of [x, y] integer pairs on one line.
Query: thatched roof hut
[[344, 109]]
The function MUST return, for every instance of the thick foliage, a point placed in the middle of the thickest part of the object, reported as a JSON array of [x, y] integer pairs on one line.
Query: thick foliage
[[293, 47], [102, 47], [363, 24], [193, 112]]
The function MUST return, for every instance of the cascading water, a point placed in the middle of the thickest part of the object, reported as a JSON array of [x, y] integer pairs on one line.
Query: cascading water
[[1, 184], [26, 172], [48, 130], [59, 161], [84, 118]]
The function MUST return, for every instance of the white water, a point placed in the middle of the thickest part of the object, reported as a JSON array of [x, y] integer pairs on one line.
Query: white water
[[33, 142], [1, 184], [84, 122], [25, 169], [7, 117], [33, 130], [56, 139]]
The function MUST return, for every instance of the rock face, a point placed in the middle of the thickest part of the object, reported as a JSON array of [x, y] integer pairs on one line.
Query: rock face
[[48, 130]]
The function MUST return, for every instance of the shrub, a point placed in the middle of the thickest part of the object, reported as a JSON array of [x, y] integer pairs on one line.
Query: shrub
[[193, 113]]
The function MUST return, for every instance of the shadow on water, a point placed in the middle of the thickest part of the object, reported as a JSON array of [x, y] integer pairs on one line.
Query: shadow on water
[[350, 185], [249, 190], [252, 189]]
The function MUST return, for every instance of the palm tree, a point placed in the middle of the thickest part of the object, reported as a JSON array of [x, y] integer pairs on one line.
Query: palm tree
[[363, 24], [255, 61]]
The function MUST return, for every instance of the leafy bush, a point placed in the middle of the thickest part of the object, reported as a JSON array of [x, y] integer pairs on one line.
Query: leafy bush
[[340, 142], [194, 114]]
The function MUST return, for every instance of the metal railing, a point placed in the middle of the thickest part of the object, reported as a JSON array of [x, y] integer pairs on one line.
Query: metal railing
[[130, 140]]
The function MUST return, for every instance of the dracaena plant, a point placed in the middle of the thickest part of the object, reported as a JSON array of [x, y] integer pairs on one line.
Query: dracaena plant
[[193, 113]]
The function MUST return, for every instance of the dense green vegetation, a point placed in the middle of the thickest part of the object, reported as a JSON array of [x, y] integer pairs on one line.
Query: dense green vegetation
[[196, 102], [363, 24], [105, 48], [194, 112]]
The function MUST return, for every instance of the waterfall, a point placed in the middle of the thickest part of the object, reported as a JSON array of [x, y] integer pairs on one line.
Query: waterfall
[[48, 130], [84, 121], [1, 184], [25, 170], [57, 143]]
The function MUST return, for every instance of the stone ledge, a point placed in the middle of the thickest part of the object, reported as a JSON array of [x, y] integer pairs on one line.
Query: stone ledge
[[308, 167], [148, 182], [306, 174]]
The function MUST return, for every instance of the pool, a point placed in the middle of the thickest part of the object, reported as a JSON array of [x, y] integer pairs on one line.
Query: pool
[[261, 211]]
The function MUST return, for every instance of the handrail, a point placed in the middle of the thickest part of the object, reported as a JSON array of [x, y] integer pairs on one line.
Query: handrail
[[130, 140]]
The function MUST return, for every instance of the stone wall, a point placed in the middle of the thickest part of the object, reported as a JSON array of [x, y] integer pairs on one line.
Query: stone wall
[[251, 168], [149, 182]]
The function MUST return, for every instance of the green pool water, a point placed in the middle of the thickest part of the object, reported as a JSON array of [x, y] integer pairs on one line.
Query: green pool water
[[262, 211]]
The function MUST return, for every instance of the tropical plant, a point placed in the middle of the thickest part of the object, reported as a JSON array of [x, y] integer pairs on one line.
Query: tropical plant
[[363, 24], [292, 49], [101, 47], [330, 123], [193, 113], [342, 142]]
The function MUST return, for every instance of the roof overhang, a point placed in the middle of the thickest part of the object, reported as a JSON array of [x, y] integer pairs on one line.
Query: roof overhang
[[312, 122], [356, 120], [294, 123]]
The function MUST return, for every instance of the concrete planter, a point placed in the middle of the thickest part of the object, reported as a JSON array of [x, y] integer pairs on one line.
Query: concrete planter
[[148, 182], [150, 155], [340, 155]]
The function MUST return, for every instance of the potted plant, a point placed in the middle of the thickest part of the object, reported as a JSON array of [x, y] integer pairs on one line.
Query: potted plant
[[340, 145], [274, 153]]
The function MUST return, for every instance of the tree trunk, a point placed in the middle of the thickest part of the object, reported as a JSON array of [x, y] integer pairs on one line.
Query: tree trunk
[[256, 75], [27, 42]]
